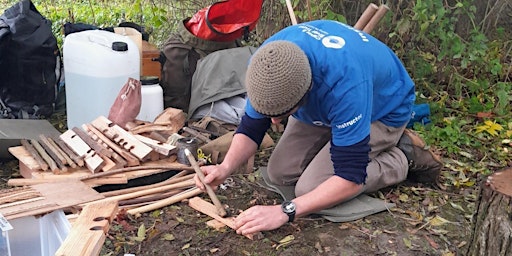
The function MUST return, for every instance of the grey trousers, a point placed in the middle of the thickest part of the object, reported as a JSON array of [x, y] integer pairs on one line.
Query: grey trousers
[[302, 157]]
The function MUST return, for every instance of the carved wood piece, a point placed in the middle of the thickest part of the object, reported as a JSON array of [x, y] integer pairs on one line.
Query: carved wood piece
[[92, 143], [131, 160], [160, 147], [122, 137], [89, 230], [76, 158], [210, 210], [68, 159], [75, 143]]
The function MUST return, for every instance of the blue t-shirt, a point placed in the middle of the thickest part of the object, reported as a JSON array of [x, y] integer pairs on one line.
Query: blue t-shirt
[[356, 80]]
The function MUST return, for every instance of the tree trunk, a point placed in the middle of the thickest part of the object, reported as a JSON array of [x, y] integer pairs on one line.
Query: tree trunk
[[492, 230]]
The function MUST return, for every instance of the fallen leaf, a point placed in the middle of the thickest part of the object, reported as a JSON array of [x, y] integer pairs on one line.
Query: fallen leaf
[[407, 242], [438, 221], [456, 206], [168, 237], [141, 233], [186, 246], [343, 227], [286, 240], [431, 242], [319, 247]]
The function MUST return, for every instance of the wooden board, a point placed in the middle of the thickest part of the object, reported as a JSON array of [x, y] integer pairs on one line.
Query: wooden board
[[89, 230], [33, 170], [209, 209], [54, 196]]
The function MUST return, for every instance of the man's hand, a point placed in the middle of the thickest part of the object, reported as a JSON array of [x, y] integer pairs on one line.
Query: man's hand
[[214, 175], [260, 218]]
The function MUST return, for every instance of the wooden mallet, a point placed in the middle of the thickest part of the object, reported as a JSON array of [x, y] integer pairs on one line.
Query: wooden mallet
[[220, 209]]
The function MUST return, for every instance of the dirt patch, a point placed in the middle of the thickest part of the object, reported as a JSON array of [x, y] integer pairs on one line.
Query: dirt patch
[[425, 222]]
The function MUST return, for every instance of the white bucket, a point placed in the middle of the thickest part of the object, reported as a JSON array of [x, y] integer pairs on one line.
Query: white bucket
[[152, 103], [97, 64]]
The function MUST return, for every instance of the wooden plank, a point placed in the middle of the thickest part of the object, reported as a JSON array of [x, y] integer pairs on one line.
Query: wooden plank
[[103, 151], [111, 179], [69, 161], [160, 147], [75, 143], [31, 170], [211, 210], [93, 162], [76, 158], [122, 137], [56, 196], [130, 159], [89, 230]]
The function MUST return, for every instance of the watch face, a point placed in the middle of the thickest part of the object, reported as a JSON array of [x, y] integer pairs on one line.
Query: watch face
[[288, 207]]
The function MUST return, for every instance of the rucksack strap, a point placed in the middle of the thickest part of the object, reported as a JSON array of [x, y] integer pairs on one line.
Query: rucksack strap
[[4, 29]]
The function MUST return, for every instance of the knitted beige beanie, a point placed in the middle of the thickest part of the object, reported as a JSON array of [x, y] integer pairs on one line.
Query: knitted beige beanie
[[277, 78]]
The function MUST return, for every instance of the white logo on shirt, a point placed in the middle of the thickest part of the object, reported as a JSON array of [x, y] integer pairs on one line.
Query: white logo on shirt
[[334, 42]]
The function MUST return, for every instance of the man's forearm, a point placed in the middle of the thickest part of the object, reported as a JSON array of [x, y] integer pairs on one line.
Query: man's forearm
[[241, 149]]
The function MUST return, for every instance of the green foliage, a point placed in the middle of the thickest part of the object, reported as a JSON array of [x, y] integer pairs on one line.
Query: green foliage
[[101, 14], [465, 77]]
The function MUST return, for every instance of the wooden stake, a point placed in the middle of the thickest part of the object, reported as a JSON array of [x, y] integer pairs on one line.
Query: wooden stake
[[366, 16], [220, 209], [376, 18], [290, 12]]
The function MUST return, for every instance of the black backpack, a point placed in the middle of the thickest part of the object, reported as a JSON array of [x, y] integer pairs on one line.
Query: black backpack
[[178, 59], [30, 63]]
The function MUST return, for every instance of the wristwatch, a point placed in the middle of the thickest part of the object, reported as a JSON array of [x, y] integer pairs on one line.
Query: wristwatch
[[288, 207]]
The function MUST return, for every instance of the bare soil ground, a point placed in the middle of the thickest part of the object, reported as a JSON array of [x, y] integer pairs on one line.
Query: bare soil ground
[[425, 221]]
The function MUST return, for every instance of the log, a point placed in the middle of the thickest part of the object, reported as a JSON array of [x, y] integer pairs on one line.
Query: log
[[492, 228]]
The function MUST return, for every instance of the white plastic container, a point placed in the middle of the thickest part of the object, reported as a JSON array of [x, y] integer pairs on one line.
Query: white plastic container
[[152, 103], [41, 236], [97, 64]]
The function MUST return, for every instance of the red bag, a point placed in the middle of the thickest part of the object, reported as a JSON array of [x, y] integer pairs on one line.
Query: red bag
[[126, 107], [226, 20]]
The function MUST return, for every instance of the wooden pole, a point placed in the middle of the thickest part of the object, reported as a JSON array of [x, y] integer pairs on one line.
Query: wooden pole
[[290, 12], [166, 202], [215, 200], [366, 16], [376, 18]]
